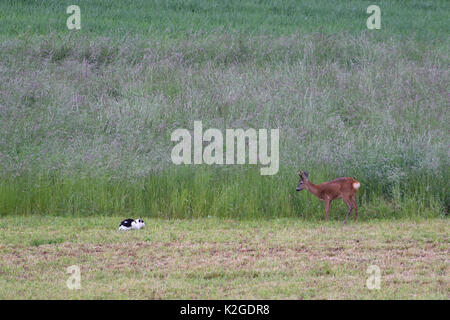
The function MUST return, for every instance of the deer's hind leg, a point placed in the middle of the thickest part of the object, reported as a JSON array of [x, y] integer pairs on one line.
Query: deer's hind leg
[[349, 204], [353, 199]]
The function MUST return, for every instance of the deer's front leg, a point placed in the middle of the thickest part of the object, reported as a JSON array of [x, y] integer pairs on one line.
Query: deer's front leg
[[327, 208]]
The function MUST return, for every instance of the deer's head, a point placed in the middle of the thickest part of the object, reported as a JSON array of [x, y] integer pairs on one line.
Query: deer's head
[[303, 179]]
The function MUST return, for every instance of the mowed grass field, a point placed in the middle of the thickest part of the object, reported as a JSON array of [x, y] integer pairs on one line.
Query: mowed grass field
[[86, 118], [223, 259]]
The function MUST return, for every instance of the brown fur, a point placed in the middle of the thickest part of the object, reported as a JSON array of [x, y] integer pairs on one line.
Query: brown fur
[[340, 188]]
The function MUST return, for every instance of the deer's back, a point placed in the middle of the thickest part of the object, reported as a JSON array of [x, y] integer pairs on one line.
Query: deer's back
[[335, 188]]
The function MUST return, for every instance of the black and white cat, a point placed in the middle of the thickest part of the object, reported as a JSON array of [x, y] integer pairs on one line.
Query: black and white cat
[[129, 224]]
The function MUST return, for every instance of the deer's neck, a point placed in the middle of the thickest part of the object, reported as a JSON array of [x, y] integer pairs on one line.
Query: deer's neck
[[314, 189]]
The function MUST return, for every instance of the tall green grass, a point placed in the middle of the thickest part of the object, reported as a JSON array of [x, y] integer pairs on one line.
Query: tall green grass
[[86, 117], [208, 192]]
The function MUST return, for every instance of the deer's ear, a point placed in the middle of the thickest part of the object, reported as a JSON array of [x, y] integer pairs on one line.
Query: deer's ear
[[306, 174]]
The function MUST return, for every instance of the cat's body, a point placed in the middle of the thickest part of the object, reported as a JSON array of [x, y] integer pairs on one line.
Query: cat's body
[[131, 224]]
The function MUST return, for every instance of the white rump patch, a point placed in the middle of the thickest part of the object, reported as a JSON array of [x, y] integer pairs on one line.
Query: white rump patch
[[356, 185]]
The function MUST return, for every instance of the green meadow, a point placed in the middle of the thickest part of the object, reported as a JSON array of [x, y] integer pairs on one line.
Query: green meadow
[[177, 19], [86, 116]]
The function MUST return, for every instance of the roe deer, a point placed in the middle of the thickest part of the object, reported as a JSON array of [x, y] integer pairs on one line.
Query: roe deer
[[344, 188]]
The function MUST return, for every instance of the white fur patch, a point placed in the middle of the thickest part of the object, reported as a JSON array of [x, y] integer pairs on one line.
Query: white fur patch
[[356, 185], [137, 224]]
